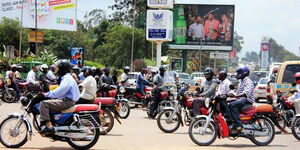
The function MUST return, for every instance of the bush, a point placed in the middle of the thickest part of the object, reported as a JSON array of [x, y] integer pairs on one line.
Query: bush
[[93, 64]]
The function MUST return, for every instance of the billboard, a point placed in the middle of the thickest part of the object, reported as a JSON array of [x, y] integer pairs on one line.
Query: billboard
[[51, 14], [205, 27], [77, 54], [265, 47]]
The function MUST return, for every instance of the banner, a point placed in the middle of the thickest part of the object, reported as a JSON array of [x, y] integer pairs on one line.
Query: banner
[[211, 26], [265, 56], [51, 14], [77, 54]]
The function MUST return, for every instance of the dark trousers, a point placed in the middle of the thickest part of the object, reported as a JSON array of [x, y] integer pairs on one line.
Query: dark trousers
[[155, 100], [197, 103], [16, 88], [84, 101], [235, 108], [141, 91]]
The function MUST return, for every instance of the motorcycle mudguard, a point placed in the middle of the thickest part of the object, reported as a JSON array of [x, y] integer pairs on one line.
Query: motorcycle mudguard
[[27, 123], [224, 126], [124, 100], [169, 108], [203, 116]]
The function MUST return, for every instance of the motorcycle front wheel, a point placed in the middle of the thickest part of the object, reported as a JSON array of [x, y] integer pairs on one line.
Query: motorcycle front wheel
[[201, 136], [296, 128], [9, 96], [168, 121], [107, 122], [13, 132], [124, 110], [264, 131], [131, 101], [91, 138]]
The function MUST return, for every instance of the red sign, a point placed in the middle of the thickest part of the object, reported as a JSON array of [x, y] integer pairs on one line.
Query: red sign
[[57, 2], [232, 54], [265, 46]]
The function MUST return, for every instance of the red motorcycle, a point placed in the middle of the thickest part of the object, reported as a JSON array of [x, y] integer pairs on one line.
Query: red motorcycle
[[135, 98]]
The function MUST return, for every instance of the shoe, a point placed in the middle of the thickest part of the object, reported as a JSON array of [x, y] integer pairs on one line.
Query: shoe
[[47, 131]]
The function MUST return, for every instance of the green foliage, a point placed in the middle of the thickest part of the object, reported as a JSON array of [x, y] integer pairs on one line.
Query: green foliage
[[93, 64], [279, 53], [150, 62], [251, 57], [47, 57]]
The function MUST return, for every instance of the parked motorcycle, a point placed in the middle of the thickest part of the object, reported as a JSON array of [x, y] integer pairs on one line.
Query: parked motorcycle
[[78, 125], [135, 98], [170, 118], [204, 130], [7, 94]]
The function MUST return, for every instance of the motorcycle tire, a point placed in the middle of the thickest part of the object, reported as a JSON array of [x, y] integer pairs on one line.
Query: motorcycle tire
[[296, 128], [131, 99], [9, 96], [271, 128], [196, 124], [106, 126], [4, 142], [125, 109], [167, 113]]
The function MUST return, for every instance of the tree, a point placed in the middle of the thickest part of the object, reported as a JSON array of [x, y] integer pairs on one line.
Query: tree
[[93, 18], [251, 57], [237, 42], [279, 53]]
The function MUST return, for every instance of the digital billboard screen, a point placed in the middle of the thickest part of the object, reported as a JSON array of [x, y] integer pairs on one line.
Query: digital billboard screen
[[206, 27]]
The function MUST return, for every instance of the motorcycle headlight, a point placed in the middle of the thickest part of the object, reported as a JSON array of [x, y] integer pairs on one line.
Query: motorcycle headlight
[[122, 90], [207, 100]]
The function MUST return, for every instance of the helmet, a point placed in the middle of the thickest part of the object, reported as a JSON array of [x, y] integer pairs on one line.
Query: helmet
[[52, 67], [242, 72], [275, 70], [89, 71], [209, 70], [76, 68], [13, 66], [63, 66], [297, 77], [162, 68], [44, 66], [83, 69]]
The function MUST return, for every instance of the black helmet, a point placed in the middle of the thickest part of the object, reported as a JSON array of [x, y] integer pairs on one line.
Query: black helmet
[[89, 71], [76, 68], [83, 69], [209, 70], [64, 66], [162, 68]]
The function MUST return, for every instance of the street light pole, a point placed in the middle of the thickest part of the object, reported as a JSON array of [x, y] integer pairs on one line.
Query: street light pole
[[132, 41]]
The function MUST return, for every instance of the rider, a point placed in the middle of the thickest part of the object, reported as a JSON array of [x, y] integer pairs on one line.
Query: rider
[[124, 76], [75, 73], [43, 78], [62, 97], [141, 81], [81, 76], [13, 78], [209, 89], [244, 96], [89, 88], [31, 79], [50, 75], [296, 96], [223, 87], [158, 82], [106, 81]]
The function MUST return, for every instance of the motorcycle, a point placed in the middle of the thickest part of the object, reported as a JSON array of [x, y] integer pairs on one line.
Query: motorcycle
[[78, 125], [170, 118], [257, 126], [7, 94], [296, 127], [135, 98]]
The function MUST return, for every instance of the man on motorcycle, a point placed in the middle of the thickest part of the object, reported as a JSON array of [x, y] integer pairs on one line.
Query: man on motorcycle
[[141, 81], [63, 97], [11, 75], [89, 88], [43, 78], [50, 75], [296, 96], [244, 96], [81, 75], [158, 82], [75, 73], [223, 87], [209, 89], [106, 81], [31, 76], [124, 76]]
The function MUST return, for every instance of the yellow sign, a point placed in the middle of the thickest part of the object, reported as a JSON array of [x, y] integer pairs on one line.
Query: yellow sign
[[33, 38]]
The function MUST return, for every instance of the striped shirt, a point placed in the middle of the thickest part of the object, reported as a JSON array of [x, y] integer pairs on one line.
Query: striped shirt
[[246, 86]]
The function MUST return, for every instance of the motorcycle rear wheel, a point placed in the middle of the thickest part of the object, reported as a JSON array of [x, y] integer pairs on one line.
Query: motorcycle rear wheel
[[296, 128], [9, 96], [7, 129], [107, 122], [164, 118], [195, 128], [259, 122]]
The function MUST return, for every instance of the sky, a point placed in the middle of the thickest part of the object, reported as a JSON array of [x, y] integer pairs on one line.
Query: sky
[[254, 19]]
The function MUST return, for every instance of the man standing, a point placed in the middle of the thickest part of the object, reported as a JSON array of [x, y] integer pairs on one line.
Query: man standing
[[244, 96], [196, 30], [211, 28]]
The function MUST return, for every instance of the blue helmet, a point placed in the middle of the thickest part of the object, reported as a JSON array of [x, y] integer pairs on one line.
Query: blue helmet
[[242, 72]]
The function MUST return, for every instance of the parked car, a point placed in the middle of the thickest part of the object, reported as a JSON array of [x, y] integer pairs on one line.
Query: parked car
[[132, 77], [260, 91], [185, 78], [257, 75], [198, 77]]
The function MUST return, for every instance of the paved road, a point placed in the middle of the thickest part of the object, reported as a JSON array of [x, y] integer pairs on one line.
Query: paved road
[[140, 133]]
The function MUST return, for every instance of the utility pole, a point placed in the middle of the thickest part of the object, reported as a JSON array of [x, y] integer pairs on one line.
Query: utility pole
[[36, 36], [132, 41], [21, 30]]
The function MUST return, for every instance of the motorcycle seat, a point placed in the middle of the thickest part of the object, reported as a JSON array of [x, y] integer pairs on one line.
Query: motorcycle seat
[[104, 100], [23, 84], [81, 107], [264, 108], [248, 110]]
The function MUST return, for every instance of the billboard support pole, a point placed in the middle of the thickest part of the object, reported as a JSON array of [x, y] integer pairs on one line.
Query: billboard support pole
[[158, 53], [36, 36], [21, 31]]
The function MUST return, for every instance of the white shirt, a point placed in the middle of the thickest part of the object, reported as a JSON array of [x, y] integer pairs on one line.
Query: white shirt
[[89, 90], [196, 30], [223, 88], [296, 95], [124, 78], [51, 75], [31, 77]]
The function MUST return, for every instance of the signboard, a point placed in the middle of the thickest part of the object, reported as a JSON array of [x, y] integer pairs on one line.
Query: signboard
[[176, 64], [204, 27], [77, 54], [265, 55], [51, 14], [219, 55], [160, 4], [159, 25], [32, 37]]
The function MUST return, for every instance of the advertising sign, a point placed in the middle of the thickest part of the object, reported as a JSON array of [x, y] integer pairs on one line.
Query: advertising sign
[[205, 27], [219, 55], [160, 4], [32, 37], [159, 25], [77, 54], [265, 55], [176, 64], [51, 14]]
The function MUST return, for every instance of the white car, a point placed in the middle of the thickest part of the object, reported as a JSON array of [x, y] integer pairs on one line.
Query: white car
[[198, 77], [132, 77], [260, 91]]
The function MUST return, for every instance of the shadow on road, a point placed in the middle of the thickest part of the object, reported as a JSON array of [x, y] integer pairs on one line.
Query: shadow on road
[[52, 148], [244, 145]]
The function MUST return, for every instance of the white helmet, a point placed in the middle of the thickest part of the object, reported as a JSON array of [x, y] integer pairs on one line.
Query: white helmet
[[44, 66]]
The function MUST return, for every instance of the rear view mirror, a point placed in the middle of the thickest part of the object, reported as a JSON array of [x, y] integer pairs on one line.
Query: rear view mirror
[[294, 84], [231, 87]]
